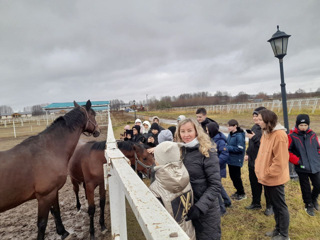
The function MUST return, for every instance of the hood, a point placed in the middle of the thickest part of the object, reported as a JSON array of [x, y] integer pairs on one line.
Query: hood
[[173, 176], [279, 127]]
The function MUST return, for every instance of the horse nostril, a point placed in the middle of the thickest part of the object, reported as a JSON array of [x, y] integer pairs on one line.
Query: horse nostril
[[96, 134]]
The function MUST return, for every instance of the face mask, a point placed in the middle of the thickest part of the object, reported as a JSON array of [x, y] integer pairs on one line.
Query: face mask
[[193, 143]]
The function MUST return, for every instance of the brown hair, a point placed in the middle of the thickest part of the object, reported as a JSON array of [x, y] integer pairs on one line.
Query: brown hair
[[269, 118]]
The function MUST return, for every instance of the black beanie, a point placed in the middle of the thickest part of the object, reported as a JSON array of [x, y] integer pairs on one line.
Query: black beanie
[[256, 111], [302, 118], [136, 127], [155, 126], [172, 129], [213, 129]]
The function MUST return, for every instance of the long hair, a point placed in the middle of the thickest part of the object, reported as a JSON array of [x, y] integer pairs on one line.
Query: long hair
[[204, 140], [269, 118]]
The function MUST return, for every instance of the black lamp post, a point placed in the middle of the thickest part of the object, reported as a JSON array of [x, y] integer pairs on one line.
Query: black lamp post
[[279, 44], [135, 114]]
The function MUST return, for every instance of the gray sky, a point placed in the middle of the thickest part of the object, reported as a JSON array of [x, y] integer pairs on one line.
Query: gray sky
[[58, 51]]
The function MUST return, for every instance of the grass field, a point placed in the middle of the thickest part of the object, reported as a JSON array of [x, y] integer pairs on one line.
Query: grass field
[[238, 223]]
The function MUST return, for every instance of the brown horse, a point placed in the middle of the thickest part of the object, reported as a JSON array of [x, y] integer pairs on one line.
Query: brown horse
[[38, 166], [86, 165]]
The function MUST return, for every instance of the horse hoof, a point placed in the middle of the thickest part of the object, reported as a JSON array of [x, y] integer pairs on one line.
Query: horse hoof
[[66, 236], [104, 231]]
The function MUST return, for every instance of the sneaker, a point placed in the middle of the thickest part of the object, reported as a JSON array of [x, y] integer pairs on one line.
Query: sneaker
[[228, 205], [272, 233], [241, 197], [280, 237], [309, 209], [268, 211], [254, 206], [235, 195], [315, 204]]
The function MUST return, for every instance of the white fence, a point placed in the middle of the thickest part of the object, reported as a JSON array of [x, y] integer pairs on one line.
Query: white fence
[[276, 105], [155, 222]]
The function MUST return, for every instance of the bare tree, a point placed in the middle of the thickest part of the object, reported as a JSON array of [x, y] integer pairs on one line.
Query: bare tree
[[5, 110], [37, 110]]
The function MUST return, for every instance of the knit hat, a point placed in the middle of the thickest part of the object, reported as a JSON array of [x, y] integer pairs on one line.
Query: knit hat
[[165, 135], [138, 120], [136, 127], [302, 118], [127, 127], [155, 126], [181, 117], [213, 129], [172, 129], [256, 111], [167, 152]]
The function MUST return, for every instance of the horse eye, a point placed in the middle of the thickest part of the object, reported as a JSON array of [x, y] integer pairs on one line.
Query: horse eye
[[144, 159]]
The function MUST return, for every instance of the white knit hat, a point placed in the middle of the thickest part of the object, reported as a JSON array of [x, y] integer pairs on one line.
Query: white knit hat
[[138, 120], [165, 135], [167, 152]]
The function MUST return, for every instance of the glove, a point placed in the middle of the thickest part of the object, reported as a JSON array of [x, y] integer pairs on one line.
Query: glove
[[193, 213]]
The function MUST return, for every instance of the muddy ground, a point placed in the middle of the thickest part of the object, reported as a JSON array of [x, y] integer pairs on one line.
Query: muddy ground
[[20, 222]]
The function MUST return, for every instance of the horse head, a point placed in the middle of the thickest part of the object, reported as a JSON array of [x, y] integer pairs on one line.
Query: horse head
[[144, 161], [91, 126]]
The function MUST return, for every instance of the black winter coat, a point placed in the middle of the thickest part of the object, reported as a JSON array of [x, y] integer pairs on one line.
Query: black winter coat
[[254, 144], [304, 151], [206, 185]]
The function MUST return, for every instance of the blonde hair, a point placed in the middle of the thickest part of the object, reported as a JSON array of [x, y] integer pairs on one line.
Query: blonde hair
[[203, 138]]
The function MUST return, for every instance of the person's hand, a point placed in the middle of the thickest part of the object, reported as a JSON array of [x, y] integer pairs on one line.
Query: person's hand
[[193, 213], [150, 150], [250, 135], [246, 157]]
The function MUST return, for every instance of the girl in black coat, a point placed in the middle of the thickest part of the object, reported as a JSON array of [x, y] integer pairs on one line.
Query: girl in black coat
[[200, 158]]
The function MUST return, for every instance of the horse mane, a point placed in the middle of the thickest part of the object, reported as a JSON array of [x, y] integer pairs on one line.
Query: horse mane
[[122, 145], [71, 121], [98, 145]]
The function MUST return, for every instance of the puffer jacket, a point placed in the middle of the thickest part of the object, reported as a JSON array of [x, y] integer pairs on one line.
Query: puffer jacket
[[223, 154], [304, 151], [205, 180], [236, 148], [271, 167], [254, 144], [173, 188]]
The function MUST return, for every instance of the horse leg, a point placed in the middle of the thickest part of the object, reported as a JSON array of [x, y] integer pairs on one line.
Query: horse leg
[[44, 203], [102, 193], [76, 191], [55, 211], [85, 191], [91, 207]]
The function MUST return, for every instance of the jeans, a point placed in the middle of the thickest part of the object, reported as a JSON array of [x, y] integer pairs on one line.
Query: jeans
[[281, 214], [224, 200]]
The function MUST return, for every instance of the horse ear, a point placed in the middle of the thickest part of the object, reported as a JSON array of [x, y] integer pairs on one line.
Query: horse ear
[[88, 105], [76, 104]]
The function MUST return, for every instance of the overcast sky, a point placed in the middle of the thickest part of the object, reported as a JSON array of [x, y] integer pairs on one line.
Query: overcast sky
[[60, 51]]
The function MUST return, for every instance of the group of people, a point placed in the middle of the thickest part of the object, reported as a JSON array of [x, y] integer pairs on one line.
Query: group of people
[[191, 159]]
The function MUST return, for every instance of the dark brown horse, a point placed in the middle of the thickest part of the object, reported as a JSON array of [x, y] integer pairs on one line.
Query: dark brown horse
[[86, 166], [38, 166]]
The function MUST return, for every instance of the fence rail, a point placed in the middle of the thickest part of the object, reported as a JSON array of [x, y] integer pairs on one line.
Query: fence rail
[[155, 222], [276, 105]]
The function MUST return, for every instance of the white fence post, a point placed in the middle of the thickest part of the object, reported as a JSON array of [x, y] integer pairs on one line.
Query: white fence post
[[155, 222]]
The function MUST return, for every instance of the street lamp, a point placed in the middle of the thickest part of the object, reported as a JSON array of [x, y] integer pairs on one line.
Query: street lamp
[[279, 44], [135, 114]]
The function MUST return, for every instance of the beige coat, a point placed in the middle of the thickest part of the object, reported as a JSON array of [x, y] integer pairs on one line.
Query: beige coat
[[172, 186], [272, 162]]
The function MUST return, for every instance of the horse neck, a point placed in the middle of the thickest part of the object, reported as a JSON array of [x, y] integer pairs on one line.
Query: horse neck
[[64, 141]]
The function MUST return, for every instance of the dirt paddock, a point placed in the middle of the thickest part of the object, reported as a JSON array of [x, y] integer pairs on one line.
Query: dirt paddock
[[21, 222]]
